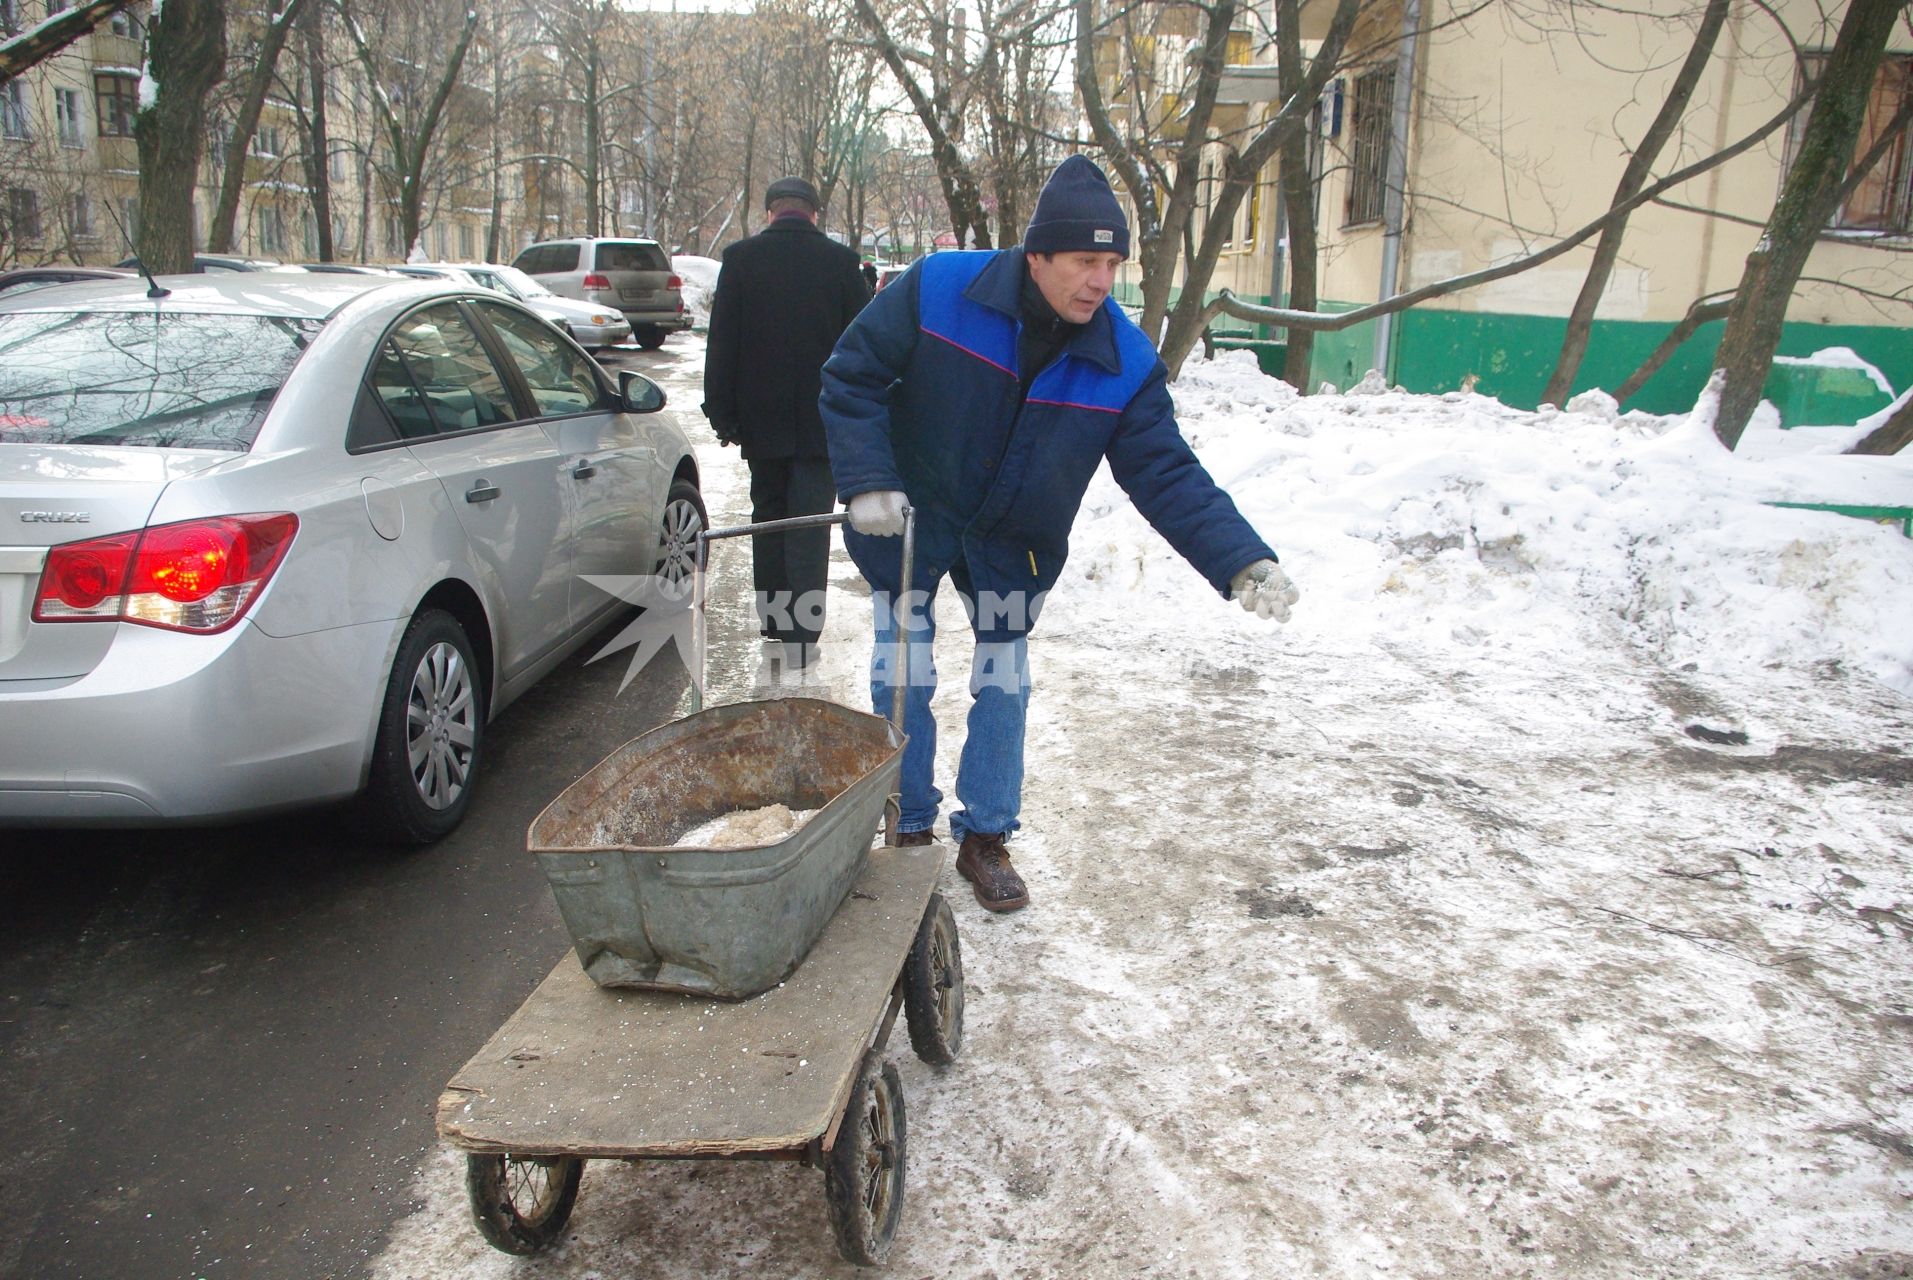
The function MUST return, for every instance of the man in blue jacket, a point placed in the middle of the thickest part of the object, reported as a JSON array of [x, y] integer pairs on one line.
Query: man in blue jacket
[[982, 390]]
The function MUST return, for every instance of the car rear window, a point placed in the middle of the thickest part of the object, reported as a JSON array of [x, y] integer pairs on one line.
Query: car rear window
[[629, 256], [163, 380]]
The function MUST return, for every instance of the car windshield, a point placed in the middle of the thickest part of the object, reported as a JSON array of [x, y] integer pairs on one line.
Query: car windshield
[[516, 281], [163, 380]]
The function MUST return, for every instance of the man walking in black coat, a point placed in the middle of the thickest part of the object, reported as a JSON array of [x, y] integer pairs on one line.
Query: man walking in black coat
[[783, 298]]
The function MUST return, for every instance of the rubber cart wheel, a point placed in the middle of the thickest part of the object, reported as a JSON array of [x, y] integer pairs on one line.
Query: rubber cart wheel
[[521, 1203], [933, 986], [863, 1180]]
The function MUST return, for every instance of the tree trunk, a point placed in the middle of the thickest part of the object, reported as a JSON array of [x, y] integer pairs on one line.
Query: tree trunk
[[219, 236], [1298, 206], [594, 201], [318, 146], [186, 52], [1807, 201], [1296, 185], [1892, 435], [1574, 346]]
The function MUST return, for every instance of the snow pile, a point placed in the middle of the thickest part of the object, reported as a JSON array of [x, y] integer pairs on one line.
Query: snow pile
[[1455, 521], [700, 282]]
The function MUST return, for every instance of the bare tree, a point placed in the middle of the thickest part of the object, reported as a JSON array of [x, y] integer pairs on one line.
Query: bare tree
[[409, 94], [961, 82], [314, 125], [265, 69], [1640, 166], [1813, 190], [1147, 161], [1226, 303]]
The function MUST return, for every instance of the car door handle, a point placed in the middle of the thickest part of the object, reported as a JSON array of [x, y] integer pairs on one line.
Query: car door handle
[[584, 470], [483, 491]]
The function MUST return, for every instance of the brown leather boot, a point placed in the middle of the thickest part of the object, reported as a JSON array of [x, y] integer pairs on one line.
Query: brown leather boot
[[910, 838], [985, 863]]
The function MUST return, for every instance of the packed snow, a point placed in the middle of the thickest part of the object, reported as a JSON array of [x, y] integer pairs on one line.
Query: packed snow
[[1535, 904], [742, 828]]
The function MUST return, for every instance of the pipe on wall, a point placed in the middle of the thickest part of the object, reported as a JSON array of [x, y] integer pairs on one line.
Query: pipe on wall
[[1394, 192]]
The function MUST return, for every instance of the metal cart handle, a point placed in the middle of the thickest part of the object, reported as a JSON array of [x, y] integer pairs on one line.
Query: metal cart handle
[[708, 536]]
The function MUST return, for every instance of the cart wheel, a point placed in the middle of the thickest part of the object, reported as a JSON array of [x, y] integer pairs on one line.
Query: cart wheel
[[864, 1179], [933, 987], [521, 1203]]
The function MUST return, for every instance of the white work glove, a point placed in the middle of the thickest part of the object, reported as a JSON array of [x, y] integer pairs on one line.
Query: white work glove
[[1264, 590], [879, 513]]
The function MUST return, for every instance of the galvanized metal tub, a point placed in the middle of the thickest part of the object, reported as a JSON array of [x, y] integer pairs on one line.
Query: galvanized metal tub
[[726, 922]]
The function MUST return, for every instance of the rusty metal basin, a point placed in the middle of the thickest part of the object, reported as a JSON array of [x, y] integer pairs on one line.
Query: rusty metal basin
[[726, 922]]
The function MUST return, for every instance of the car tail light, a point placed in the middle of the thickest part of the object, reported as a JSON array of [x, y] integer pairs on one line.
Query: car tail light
[[596, 281], [196, 575], [675, 282]]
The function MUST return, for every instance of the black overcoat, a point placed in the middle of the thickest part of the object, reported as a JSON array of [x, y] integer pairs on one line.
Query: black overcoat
[[784, 296]]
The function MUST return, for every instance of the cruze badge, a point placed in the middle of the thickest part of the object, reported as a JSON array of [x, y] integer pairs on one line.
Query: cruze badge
[[56, 517]]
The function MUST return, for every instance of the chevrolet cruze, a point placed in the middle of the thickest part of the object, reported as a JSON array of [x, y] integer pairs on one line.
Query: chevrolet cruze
[[271, 540]]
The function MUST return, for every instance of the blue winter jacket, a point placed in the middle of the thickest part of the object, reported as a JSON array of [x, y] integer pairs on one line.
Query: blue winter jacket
[[921, 394]]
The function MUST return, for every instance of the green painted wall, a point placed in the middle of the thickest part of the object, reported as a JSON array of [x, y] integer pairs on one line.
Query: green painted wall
[[1512, 355]]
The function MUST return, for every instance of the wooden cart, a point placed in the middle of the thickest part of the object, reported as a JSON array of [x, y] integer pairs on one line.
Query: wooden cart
[[582, 1072]]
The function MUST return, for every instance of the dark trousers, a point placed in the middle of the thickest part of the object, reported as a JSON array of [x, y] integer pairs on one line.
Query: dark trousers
[[790, 570]]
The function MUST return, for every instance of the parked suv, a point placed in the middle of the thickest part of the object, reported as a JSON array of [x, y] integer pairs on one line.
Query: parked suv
[[630, 274]]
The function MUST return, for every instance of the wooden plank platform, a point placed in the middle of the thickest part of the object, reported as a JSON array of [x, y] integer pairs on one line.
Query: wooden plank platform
[[584, 1070]]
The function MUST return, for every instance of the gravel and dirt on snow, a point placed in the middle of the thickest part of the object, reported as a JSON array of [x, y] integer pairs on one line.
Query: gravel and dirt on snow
[[1535, 904]]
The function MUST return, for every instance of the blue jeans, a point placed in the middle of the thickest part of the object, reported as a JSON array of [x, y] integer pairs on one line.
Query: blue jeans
[[989, 783]]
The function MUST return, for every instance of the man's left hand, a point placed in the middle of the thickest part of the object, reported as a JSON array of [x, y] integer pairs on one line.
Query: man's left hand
[[1264, 590]]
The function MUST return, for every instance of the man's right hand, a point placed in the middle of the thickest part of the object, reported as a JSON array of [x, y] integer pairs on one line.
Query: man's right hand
[[879, 513]]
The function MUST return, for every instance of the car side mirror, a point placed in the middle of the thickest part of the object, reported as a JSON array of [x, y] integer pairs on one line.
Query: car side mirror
[[641, 395]]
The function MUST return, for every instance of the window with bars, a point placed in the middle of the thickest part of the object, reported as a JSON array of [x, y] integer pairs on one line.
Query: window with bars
[[1883, 199], [1369, 116], [117, 98]]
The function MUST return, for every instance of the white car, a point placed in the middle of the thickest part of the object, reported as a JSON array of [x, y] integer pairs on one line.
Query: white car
[[270, 540], [592, 325]]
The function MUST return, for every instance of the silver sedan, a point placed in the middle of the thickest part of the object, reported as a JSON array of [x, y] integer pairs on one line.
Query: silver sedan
[[592, 325], [273, 540]]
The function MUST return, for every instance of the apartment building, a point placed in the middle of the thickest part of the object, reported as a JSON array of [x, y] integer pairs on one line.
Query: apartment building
[[1503, 136]]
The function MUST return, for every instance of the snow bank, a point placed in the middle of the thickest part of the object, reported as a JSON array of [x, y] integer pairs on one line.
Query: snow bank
[[700, 281], [1456, 521]]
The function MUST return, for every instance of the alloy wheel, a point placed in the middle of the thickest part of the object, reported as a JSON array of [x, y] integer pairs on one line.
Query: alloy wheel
[[441, 726]]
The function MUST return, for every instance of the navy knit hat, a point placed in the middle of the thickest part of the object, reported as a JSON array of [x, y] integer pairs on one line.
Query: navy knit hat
[[1077, 213]]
